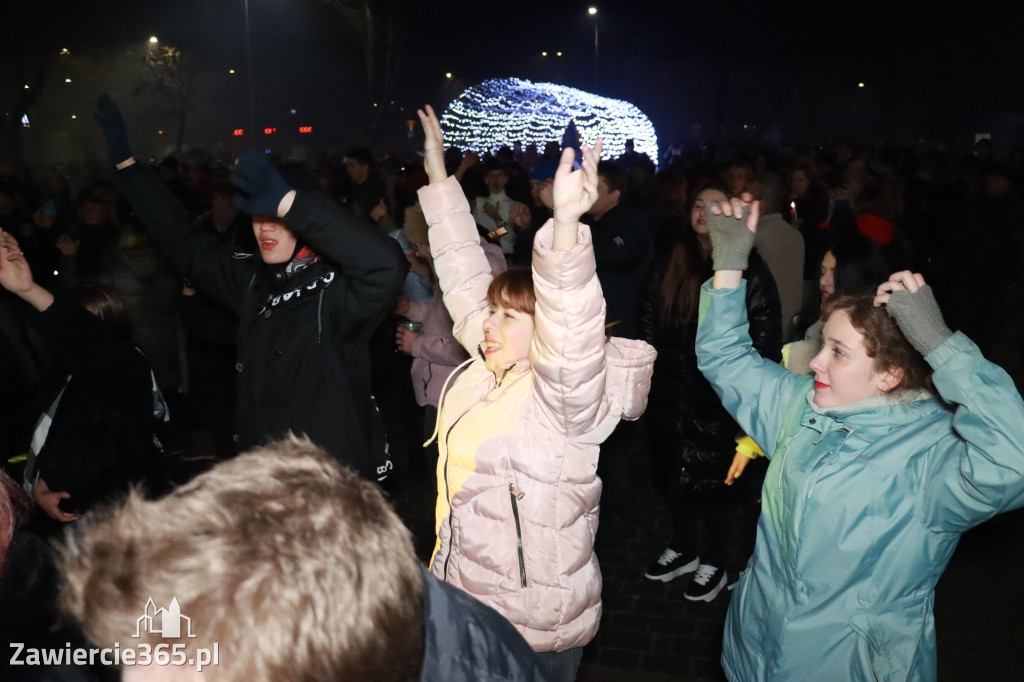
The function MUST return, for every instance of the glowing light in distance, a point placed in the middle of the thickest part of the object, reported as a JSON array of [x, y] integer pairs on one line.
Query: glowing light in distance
[[67, 80], [448, 74], [591, 11], [153, 39], [231, 70], [860, 85], [269, 131], [504, 111], [305, 129], [238, 132]]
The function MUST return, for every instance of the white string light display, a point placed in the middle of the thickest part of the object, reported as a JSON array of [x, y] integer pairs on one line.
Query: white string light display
[[503, 111]]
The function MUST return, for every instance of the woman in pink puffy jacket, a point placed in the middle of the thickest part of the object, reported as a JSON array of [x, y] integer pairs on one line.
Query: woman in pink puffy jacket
[[519, 429]]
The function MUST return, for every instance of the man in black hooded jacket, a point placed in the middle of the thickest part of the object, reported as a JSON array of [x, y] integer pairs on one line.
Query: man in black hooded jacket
[[307, 304]]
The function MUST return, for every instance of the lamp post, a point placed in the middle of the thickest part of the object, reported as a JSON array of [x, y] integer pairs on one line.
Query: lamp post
[[248, 63], [592, 11]]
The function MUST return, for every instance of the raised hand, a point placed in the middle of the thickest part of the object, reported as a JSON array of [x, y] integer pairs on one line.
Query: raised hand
[[492, 211], [262, 184], [519, 214], [732, 225], [433, 145], [576, 191], [469, 160], [67, 245], [15, 273], [911, 303], [109, 118]]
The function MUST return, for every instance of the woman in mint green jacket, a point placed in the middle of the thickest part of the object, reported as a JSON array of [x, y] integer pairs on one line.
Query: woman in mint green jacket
[[873, 478]]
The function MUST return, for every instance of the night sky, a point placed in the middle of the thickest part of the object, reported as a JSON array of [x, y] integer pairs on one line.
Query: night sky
[[790, 68]]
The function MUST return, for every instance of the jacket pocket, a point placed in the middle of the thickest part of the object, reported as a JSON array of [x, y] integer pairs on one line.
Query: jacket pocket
[[890, 637], [515, 494]]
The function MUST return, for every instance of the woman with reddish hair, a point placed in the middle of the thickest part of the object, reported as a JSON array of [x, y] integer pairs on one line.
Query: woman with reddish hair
[[904, 438]]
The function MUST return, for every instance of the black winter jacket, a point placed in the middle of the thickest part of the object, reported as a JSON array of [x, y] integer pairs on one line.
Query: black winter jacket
[[693, 438], [101, 437], [466, 640], [303, 363]]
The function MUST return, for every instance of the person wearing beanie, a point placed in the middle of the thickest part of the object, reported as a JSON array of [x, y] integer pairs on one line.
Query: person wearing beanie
[[308, 303]]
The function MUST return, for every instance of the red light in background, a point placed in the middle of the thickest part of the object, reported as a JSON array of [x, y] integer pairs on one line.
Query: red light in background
[[305, 129], [238, 132], [269, 131]]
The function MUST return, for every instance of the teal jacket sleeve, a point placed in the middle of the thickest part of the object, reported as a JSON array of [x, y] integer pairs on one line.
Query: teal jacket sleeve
[[982, 474], [755, 391]]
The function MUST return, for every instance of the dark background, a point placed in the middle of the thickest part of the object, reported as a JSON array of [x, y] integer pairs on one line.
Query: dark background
[[701, 72]]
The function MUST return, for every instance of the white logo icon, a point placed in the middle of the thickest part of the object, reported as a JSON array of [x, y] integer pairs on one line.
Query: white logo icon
[[163, 622]]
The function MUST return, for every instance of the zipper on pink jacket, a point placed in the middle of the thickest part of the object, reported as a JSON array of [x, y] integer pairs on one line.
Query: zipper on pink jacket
[[516, 494]]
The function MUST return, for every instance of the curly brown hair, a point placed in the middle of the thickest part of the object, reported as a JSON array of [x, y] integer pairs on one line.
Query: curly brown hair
[[883, 340]]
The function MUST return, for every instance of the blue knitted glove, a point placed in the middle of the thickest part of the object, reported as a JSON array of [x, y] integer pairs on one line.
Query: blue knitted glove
[[261, 183], [108, 116]]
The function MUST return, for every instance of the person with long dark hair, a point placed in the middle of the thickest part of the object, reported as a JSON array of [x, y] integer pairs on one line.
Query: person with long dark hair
[[693, 439]]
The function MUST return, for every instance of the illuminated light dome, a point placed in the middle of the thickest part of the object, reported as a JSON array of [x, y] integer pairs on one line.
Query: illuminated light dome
[[503, 111]]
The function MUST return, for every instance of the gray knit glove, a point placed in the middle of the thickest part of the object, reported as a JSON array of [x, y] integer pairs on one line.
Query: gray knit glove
[[919, 318], [731, 240]]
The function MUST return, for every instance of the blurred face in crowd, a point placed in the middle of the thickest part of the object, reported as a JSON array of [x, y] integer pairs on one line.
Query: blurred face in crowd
[[799, 183], [843, 371], [357, 170], [222, 212], [698, 214], [738, 179], [827, 282], [495, 180], [507, 336], [94, 212], [541, 192], [606, 199], [276, 241], [996, 185]]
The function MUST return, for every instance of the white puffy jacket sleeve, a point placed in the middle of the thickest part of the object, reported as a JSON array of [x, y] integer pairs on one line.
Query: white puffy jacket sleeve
[[568, 350], [459, 261]]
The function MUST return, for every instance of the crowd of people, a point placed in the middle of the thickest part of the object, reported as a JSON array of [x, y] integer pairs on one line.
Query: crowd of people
[[765, 311]]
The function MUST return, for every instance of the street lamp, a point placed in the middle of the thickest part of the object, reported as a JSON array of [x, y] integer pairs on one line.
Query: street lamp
[[153, 39], [592, 11], [248, 61]]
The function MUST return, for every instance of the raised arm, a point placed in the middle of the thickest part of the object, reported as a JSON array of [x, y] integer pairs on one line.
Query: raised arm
[[754, 390], [196, 256], [459, 261], [983, 474], [568, 354]]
